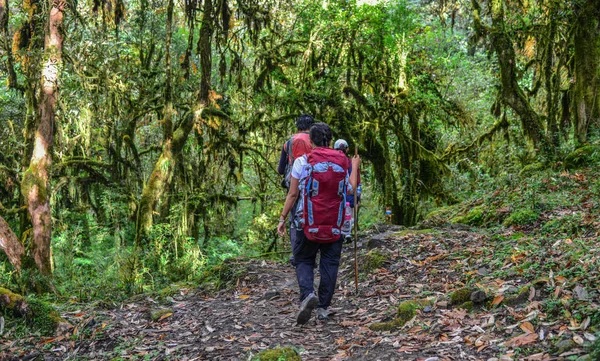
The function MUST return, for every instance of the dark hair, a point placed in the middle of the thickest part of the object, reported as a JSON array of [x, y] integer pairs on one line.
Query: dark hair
[[304, 122], [320, 134]]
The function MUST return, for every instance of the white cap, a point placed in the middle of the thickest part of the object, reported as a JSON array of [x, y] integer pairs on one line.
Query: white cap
[[340, 144]]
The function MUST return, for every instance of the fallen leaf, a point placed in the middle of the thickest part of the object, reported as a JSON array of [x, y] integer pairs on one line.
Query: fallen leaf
[[243, 297], [527, 327], [497, 300], [522, 340], [169, 314]]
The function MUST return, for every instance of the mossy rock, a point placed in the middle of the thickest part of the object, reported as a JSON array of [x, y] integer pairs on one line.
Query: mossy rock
[[530, 169], [521, 217], [278, 354], [521, 297], [405, 312], [157, 314], [44, 317], [581, 156], [461, 296], [373, 259], [39, 315], [475, 217]]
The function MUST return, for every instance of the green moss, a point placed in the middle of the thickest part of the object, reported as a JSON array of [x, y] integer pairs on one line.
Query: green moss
[[475, 217], [461, 296], [11, 297], [406, 311], [157, 314], [440, 215], [373, 259], [278, 354], [521, 218], [467, 306], [406, 232], [43, 317]]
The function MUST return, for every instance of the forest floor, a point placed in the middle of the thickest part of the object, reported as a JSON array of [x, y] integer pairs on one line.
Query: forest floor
[[529, 299]]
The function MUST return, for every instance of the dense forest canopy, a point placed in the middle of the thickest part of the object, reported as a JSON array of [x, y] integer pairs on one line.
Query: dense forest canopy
[[140, 138]]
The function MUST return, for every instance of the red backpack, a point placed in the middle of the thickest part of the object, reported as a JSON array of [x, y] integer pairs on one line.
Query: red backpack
[[324, 195], [298, 145]]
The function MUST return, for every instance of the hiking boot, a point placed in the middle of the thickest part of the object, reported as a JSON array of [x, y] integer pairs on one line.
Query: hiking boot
[[306, 308], [347, 239], [322, 314]]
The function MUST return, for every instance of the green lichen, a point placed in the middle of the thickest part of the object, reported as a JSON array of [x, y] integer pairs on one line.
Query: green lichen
[[461, 296], [278, 354]]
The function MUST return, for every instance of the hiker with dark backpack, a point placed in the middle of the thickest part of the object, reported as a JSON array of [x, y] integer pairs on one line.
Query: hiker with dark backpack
[[319, 181], [295, 147]]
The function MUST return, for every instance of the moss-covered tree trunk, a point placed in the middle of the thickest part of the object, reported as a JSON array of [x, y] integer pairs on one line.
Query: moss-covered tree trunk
[[5, 44], [11, 245], [512, 94], [35, 185], [587, 69], [162, 174]]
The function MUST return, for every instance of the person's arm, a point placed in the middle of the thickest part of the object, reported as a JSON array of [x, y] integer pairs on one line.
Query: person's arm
[[282, 161], [354, 174], [290, 199]]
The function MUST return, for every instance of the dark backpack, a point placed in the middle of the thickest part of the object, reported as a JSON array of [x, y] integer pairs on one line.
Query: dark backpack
[[324, 195]]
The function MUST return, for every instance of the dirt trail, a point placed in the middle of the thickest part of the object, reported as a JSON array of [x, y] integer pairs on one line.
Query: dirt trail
[[260, 313]]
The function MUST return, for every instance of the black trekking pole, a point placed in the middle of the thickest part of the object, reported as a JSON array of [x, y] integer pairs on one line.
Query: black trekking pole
[[355, 228]]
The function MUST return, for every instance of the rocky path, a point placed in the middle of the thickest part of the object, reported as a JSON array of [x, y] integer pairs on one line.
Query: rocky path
[[502, 321]]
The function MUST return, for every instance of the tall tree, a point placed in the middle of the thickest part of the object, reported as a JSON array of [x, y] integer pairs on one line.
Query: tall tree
[[36, 181], [162, 176], [587, 68]]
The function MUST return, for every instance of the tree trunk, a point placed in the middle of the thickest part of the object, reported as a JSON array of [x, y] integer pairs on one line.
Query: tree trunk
[[5, 43], [162, 175], [512, 94], [36, 183], [11, 245], [587, 70]]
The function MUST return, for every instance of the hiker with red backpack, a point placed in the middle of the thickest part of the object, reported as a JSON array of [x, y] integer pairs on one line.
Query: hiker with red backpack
[[295, 147], [319, 181]]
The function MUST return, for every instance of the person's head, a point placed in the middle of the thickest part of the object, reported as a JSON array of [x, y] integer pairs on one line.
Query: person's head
[[320, 135], [304, 122], [341, 144]]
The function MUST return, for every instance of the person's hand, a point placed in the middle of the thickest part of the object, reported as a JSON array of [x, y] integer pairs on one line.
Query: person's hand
[[356, 161], [281, 228]]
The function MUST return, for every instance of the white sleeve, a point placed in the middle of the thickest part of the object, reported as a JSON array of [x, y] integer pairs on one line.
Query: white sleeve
[[298, 167]]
